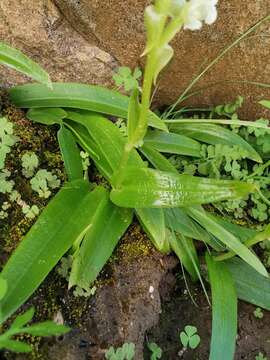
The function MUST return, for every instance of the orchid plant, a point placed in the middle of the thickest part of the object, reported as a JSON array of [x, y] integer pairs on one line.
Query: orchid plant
[[87, 220]]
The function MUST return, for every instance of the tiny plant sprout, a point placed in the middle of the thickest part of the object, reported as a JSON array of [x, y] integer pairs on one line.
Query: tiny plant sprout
[[126, 352], [29, 163], [258, 313], [156, 352], [260, 356], [189, 337]]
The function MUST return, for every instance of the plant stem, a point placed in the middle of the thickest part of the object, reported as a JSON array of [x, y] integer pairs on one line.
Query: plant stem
[[142, 123]]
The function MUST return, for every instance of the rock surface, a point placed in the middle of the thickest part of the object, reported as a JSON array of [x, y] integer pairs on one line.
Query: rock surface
[[117, 27], [81, 41], [39, 29]]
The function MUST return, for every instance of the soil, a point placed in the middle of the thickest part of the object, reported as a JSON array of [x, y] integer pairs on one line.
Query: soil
[[140, 296]]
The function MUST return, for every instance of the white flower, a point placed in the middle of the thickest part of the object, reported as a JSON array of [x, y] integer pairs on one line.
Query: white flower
[[199, 11]]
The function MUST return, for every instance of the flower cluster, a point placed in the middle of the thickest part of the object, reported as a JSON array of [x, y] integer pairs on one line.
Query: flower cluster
[[199, 11]]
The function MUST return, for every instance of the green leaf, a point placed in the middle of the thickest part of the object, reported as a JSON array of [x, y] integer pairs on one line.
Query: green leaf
[[15, 345], [46, 328], [3, 288], [164, 56], [156, 159], [215, 134], [18, 61], [250, 285], [186, 252], [194, 341], [23, 319], [90, 147], [61, 223], [70, 154], [173, 143], [79, 96], [107, 226], [241, 232], [153, 223], [143, 188], [227, 238], [178, 220], [224, 311], [47, 116], [108, 143]]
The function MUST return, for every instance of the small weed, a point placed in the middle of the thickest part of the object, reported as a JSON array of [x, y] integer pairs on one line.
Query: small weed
[[156, 351], [189, 337], [126, 352], [258, 313], [260, 356]]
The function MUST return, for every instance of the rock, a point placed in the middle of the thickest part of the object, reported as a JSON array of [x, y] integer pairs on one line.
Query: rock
[[38, 29], [117, 26], [83, 40]]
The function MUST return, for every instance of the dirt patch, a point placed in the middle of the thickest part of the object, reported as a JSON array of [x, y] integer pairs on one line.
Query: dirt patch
[[179, 311]]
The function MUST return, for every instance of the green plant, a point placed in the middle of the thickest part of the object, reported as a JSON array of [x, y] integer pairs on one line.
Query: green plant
[[46, 328], [29, 163], [260, 356], [189, 337], [125, 78], [258, 313], [156, 352], [141, 181], [126, 352]]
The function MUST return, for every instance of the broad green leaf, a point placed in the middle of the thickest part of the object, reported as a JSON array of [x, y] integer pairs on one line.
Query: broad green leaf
[[47, 116], [186, 252], [78, 96], [227, 238], [15, 345], [16, 60], [215, 134], [108, 225], [107, 138], [173, 143], [148, 188], [179, 221], [46, 328], [88, 145], [3, 288], [133, 118], [241, 232], [224, 311], [70, 154], [250, 285], [62, 222], [156, 159], [23, 319], [153, 223]]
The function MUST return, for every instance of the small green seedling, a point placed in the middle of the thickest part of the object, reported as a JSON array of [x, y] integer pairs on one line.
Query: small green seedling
[[29, 163], [19, 326], [43, 181], [189, 337], [126, 352], [260, 356], [156, 351], [125, 78], [258, 313]]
